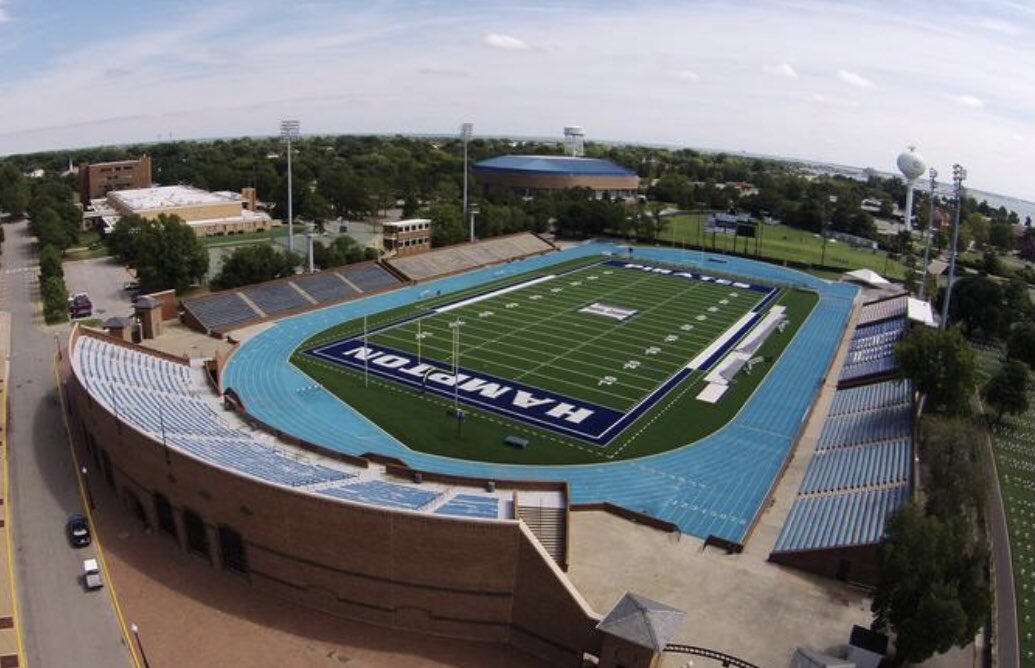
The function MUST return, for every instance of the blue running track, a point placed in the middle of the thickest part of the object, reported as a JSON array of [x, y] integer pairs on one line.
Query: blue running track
[[714, 486]]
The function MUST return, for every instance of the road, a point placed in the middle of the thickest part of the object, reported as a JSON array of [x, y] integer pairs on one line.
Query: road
[[1005, 595], [62, 624]]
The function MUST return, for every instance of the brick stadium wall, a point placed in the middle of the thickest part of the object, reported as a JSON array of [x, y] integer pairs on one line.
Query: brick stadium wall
[[861, 561], [488, 581]]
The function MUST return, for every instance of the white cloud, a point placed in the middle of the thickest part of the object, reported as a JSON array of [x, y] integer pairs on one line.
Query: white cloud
[[4, 16], [1000, 26], [782, 70], [505, 42], [853, 79], [687, 75], [833, 101], [969, 101]]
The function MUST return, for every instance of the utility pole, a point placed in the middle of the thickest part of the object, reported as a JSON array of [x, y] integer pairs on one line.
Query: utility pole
[[929, 233], [289, 131], [959, 174]]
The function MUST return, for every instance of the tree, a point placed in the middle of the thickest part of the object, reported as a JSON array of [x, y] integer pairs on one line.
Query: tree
[[941, 365], [122, 239], [343, 250], [952, 448], [1001, 235], [930, 589], [1007, 390], [254, 264], [48, 228], [50, 263], [1021, 344], [167, 253], [14, 193], [447, 225], [977, 306], [55, 300]]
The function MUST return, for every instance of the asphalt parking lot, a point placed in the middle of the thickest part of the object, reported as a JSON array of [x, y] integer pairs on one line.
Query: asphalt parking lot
[[103, 279]]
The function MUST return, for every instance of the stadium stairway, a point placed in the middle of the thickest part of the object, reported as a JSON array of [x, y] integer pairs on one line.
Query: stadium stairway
[[550, 526]]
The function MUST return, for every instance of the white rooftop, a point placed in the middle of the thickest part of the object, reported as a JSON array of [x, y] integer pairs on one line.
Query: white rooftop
[[161, 197], [920, 311], [400, 223]]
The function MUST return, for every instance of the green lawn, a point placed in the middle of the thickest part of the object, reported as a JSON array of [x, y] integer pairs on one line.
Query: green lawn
[[780, 242], [543, 340], [1014, 446]]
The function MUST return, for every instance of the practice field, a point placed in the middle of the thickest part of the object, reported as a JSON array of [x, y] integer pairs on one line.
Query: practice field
[[577, 357]]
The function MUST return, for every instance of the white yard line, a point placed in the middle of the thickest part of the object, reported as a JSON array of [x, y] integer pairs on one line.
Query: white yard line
[[495, 293]]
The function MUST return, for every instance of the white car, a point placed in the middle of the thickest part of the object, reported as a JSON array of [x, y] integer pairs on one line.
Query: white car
[[92, 574]]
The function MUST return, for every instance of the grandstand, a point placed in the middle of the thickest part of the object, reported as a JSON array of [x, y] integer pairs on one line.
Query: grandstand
[[235, 308], [169, 401], [859, 474], [464, 257], [871, 353]]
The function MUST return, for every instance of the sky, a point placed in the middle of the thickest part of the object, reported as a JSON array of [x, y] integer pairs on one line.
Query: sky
[[847, 83]]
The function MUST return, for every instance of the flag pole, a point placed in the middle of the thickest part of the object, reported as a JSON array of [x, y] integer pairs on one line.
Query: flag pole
[[456, 365]]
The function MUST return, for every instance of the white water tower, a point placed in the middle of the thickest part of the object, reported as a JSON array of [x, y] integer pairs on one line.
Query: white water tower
[[912, 167], [574, 139]]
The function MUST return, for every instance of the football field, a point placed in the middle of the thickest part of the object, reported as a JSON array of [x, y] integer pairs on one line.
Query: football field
[[582, 352]]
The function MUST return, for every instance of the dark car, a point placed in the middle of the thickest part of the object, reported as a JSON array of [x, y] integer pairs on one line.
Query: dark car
[[78, 531], [80, 306]]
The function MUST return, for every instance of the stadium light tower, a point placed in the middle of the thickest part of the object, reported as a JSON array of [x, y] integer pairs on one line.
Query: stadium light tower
[[912, 167], [574, 141], [959, 174], [289, 131], [466, 130], [933, 173]]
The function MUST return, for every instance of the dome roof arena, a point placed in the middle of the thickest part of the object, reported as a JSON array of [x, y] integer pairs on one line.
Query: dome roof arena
[[529, 174], [560, 165]]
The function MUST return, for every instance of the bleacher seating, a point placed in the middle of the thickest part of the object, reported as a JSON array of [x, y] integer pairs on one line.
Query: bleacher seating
[[274, 297], [872, 349], [382, 493], [471, 505], [325, 286], [859, 473], [883, 310], [229, 310], [222, 311], [848, 468], [155, 396], [369, 277], [870, 397], [838, 520], [460, 258], [880, 424]]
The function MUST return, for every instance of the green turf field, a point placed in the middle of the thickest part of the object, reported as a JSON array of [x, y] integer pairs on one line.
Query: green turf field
[[780, 242], [538, 335]]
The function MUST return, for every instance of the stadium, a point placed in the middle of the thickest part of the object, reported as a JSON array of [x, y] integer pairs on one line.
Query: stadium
[[528, 175], [402, 443]]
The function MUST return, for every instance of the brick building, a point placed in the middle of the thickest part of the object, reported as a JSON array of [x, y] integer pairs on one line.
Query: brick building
[[98, 179]]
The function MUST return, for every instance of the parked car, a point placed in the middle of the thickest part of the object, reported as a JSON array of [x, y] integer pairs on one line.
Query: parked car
[[80, 306], [131, 286], [78, 531], [92, 574]]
